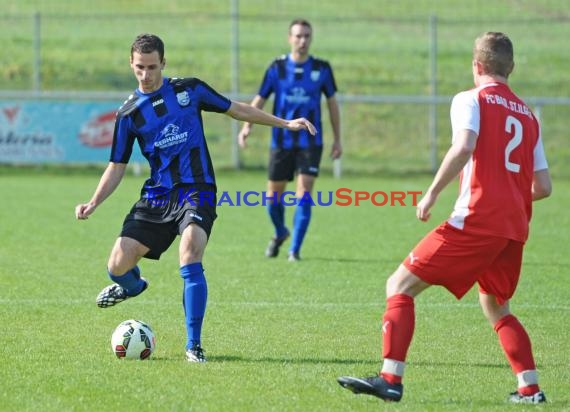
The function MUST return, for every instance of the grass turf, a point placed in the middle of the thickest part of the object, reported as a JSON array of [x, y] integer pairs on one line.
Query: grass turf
[[277, 334]]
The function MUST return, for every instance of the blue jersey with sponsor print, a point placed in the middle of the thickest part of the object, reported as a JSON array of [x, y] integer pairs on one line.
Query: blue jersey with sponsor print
[[167, 124], [298, 88]]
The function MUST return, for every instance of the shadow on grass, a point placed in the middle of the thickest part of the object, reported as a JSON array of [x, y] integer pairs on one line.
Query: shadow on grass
[[279, 360], [317, 361], [293, 361], [353, 260], [500, 365]]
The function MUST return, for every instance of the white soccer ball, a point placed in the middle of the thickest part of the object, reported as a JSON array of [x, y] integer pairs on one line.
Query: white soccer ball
[[133, 339]]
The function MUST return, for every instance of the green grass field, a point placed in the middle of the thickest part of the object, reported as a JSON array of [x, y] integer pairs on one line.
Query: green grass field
[[277, 334]]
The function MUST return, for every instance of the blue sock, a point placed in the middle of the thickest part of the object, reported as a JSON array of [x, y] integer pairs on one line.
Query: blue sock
[[301, 221], [277, 214], [130, 281], [194, 300]]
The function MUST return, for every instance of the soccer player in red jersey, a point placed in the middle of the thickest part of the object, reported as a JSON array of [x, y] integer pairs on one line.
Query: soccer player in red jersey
[[498, 153]]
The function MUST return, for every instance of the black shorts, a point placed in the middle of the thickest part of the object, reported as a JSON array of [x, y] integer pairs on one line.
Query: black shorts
[[156, 221], [284, 164]]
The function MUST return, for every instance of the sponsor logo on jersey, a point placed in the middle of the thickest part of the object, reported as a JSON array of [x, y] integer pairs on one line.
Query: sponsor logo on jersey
[[156, 103], [183, 98], [298, 96], [171, 136]]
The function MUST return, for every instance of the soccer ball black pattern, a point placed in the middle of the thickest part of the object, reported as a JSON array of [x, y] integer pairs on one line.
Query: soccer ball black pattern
[[133, 339]]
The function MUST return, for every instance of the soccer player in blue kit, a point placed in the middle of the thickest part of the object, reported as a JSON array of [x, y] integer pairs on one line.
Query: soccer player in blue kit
[[298, 80], [163, 116]]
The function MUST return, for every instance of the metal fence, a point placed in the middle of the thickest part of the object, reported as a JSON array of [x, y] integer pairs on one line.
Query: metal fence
[[396, 75]]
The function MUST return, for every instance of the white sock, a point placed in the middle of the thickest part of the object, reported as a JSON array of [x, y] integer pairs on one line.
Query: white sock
[[527, 378], [393, 367]]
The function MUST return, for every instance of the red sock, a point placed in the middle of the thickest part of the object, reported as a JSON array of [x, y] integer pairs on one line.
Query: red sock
[[398, 327], [528, 390], [391, 379], [516, 343]]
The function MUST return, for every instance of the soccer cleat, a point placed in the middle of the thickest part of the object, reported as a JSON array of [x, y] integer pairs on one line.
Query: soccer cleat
[[114, 294], [274, 245], [537, 398], [373, 385], [293, 257], [195, 354]]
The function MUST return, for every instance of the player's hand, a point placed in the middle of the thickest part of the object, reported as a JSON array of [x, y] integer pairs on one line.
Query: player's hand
[[301, 124], [336, 150], [243, 134], [83, 210], [424, 206]]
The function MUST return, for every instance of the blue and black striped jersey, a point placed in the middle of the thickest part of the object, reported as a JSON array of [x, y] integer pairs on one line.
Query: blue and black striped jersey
[[298, 88], [167, 124]]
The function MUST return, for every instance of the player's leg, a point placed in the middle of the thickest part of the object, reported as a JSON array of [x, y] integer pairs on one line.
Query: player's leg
[[196, 219], [496, 287], [280, 171], [123, 271], [398, 321], [122, 264], [195, 292], [139, 238], [445, 256], [398, 325], [276, 212], [307, 163], [517, 347], [302, 216]]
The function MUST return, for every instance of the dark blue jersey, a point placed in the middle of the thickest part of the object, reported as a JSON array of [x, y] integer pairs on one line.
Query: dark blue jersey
[[298, 88], [167, 124]]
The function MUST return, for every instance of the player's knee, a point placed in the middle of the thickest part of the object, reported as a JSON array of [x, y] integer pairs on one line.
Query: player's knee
[[121, 259], [191, 256], [117, 265], [492, 310], [404, 282], [395, 284]]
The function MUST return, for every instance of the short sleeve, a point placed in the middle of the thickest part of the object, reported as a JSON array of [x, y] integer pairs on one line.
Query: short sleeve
[[465, 112]]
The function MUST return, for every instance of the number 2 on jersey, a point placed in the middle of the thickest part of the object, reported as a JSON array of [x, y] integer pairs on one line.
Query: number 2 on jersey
[[513, 126]]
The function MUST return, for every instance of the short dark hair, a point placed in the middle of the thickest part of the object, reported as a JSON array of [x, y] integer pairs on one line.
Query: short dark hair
[[147, 43], [302, 22]]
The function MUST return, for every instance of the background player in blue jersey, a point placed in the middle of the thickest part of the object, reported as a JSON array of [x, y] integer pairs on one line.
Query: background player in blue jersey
[[298, 80], [163, 116]]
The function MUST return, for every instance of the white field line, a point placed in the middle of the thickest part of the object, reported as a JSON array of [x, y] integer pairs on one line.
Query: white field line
[[261, 304]]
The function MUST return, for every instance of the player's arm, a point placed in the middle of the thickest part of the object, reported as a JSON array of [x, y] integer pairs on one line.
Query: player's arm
[[541, 184], [257, 102], [453, 162], [109, 181], [334, 114], [251, 114]]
